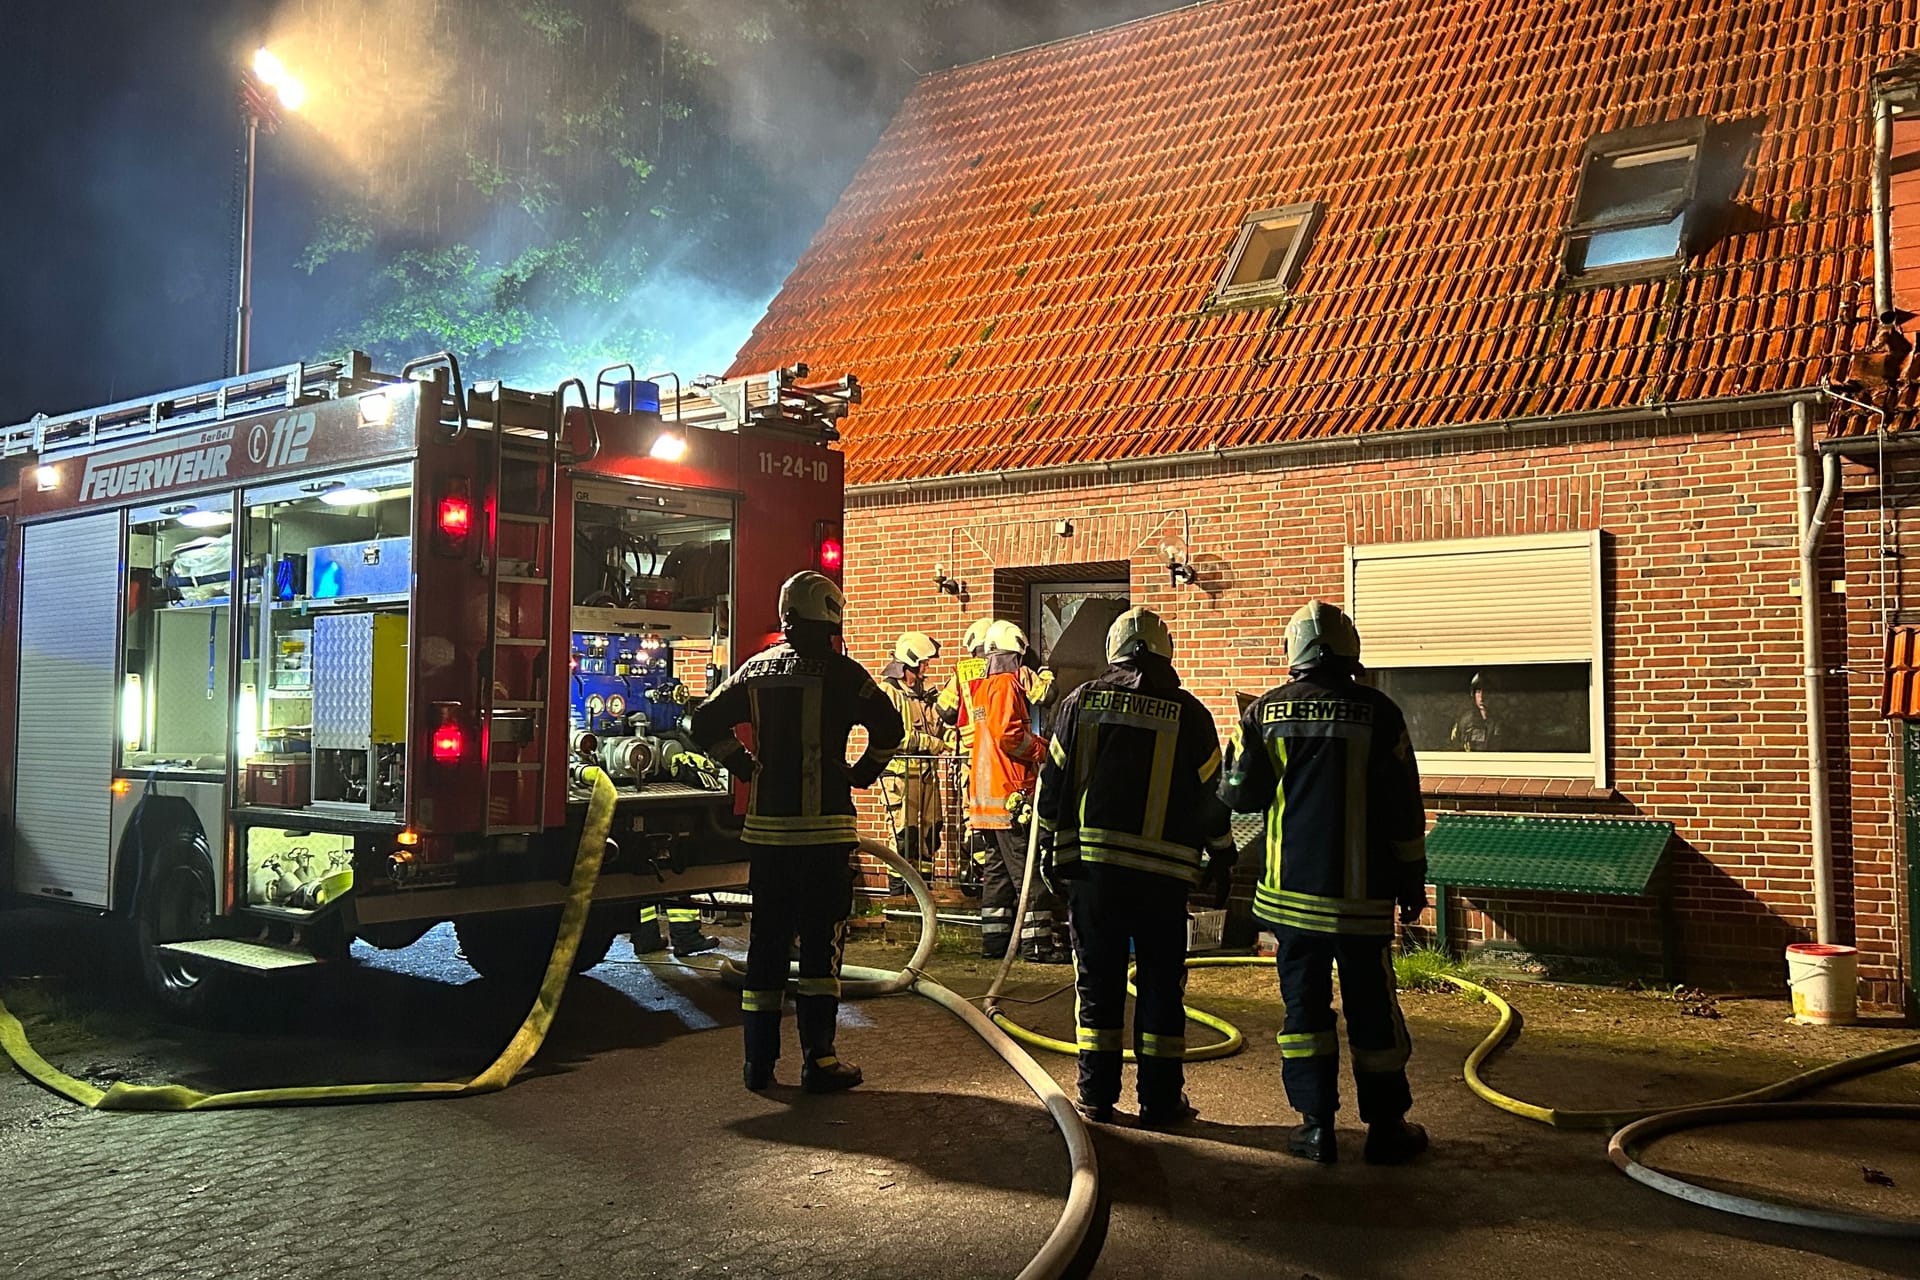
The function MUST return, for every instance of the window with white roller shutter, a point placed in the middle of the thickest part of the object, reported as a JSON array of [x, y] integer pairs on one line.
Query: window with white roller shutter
[[1493, 647]]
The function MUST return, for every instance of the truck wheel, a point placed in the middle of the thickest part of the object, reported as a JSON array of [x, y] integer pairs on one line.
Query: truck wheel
[[176, 905], [515, 946]]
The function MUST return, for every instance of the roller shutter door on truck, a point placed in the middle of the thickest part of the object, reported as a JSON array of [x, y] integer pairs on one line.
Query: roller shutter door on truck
[[69, 700]]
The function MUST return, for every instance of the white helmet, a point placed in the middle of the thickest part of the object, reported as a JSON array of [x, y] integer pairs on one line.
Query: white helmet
[[1138, 629], [976, 634], [812, 597], [1319, 631], [915, 649], [1004, 637]]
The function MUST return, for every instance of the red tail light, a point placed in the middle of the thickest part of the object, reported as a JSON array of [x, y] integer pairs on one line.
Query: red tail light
[[829, 555], [453, 518], [449, 739]]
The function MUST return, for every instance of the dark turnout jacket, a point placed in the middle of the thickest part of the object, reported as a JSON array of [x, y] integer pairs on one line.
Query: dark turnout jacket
[[1130, 774], [802, 709], [1330, 763]]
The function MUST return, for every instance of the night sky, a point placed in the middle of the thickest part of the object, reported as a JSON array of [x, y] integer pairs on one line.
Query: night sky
[[122, 135]]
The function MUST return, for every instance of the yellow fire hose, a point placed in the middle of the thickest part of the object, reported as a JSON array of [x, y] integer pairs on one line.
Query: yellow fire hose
[[520, 1049], [1631, 1127]]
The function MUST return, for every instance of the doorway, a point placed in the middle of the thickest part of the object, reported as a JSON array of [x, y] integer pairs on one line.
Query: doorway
[[1067, 623]]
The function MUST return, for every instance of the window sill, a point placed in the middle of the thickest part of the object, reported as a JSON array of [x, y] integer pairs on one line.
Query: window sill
[[1460, 788]]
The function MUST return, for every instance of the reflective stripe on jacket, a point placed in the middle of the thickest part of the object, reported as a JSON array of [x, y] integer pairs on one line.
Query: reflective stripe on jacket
[[1330, 762], [1006, 753], [1130, 775], [802, 709]]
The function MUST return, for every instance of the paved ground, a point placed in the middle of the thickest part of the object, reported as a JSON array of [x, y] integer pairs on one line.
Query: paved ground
[[631, 1150]]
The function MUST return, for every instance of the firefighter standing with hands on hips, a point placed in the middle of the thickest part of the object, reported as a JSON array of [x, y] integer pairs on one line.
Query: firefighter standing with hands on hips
[[1127, 803], [1006, 759], [1330, 762], [802, 698], [910, 789]]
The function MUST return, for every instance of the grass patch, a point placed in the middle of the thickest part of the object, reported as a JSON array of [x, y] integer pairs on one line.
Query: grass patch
[[1423, 969]]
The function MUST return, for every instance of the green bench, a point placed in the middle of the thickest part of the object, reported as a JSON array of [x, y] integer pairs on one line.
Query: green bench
[[1616, 857]]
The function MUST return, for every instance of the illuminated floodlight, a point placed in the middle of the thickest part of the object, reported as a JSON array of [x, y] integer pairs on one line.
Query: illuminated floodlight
[[346, 496], [274, 74], [668, 446], [196, 518]]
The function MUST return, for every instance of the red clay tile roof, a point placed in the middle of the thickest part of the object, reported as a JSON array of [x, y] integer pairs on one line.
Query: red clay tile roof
[[1018, 272]]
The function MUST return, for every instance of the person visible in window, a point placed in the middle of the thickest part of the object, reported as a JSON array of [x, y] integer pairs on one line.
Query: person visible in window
[[803, 699], [1329, 761], [1476, 729]]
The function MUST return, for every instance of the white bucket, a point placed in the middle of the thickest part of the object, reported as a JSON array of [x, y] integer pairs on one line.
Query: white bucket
[[1821, 978]]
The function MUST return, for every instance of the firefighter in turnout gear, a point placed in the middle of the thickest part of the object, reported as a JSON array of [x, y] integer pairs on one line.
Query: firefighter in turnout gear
[[1127, 803], [910, 788], [683, 928], [802, 699], [1006, 762], [1329, 761], [956, 713]]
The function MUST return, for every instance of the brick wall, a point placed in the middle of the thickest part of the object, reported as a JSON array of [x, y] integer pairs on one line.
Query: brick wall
[[1881, 543], [1706, 724]]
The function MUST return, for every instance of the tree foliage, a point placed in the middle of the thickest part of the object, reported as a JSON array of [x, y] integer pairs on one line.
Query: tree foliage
[[578, 157]]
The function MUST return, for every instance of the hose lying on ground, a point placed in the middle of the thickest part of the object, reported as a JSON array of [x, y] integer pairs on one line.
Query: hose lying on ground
[[1070, 1231], [1230, 1043], [1634, 1126], [520, 1049], [1640, 1125]]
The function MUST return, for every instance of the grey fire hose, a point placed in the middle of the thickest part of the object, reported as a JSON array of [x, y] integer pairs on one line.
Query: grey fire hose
[[1070, 1231]]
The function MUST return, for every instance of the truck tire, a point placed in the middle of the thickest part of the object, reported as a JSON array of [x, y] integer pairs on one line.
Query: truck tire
[[176, 904], [515, 946]]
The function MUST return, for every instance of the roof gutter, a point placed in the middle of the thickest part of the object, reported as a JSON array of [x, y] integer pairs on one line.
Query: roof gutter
[[1503, 427]]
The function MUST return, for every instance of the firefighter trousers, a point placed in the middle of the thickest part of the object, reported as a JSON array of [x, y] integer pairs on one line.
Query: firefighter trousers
[[805, 891], [912, 802], [1000, 880], [1377, 1034], [1110, 907]]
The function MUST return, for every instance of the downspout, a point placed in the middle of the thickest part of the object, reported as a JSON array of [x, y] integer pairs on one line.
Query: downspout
[[1813, 524], [1882, 203]]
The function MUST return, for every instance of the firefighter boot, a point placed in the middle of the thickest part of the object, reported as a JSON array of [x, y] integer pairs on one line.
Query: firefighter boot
[[689, 941], [683, 926], [1394, 1142], [1169, 1116], [646, 934], [762, 1034], [821, 1070], [1314, 1141]]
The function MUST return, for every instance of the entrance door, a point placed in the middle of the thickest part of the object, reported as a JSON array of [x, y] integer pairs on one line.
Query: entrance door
[[1068, 621]]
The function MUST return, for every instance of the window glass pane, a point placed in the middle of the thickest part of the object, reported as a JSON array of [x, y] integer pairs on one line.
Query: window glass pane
[[323, 682], [1637, 184], [1638, 244], [1535, 707], [174, 702], [1068, 623], [1266, 252]]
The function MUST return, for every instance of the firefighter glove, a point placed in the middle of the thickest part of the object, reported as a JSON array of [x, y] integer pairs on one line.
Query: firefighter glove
[[1218, 873], [1411, 907]]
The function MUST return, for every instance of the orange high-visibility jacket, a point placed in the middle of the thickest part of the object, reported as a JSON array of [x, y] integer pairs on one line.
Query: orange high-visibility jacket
[[1006, 751]]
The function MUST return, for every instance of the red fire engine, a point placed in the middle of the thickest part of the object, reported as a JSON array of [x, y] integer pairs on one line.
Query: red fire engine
[[319, 653]]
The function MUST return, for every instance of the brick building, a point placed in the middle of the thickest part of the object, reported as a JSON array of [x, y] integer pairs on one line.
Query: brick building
[[1509, 326]]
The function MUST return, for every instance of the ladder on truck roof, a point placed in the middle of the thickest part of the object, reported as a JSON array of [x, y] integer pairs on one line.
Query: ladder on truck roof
[[521, 540], [184, 408]]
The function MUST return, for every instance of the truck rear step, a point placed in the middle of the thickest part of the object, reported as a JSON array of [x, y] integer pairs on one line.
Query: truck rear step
[[232, 953]]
